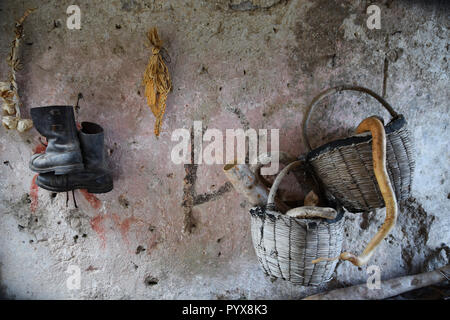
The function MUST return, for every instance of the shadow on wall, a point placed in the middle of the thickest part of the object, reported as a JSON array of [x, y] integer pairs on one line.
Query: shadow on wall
[[3, 294]]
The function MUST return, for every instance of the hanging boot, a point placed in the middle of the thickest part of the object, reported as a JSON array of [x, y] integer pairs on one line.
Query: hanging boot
[[95, 177], [63, 154]]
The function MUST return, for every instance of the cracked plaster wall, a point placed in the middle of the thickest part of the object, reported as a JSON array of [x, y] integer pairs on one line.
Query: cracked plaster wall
[[234, 64]]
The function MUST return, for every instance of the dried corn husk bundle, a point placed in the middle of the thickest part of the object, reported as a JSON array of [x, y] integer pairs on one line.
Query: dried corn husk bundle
[[8, 90], [156, 80]]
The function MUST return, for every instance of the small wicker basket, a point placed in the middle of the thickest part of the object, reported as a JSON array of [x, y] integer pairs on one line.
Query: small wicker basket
[[285, 246], [344, 167]]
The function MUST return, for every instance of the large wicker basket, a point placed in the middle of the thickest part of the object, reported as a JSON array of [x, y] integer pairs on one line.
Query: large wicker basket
[[345, 168], [285, 246]]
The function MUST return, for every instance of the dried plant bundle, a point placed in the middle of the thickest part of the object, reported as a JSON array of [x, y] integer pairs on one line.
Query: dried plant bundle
[[11, 118], [156, 80]]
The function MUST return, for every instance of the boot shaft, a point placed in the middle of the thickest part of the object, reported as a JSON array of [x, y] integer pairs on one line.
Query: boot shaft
[[57, 124], [92, 141]]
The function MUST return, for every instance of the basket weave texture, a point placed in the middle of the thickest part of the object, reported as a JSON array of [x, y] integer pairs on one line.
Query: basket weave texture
[[285, 246], [345, 167]]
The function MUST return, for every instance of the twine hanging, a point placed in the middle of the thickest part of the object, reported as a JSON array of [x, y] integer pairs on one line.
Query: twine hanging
[[156, 80]]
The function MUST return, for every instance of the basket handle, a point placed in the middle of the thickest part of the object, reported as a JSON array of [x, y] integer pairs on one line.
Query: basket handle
[[331, 91], [266, 158], [276, 183]]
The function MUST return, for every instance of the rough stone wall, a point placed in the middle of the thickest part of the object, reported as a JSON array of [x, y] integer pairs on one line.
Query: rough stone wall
[[174, 231]]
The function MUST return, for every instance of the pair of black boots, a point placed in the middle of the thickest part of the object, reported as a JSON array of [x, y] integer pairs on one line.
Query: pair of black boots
[[73, 159]]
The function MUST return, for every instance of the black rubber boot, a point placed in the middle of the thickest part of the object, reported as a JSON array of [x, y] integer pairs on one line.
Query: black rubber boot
[[95, 177], [63, 154]]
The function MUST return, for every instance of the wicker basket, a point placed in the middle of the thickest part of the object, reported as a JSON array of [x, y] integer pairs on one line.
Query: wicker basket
[[345, 168], [286, 246]]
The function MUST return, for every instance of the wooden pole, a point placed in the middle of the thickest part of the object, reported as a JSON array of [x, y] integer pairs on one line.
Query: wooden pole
[[389, 288]]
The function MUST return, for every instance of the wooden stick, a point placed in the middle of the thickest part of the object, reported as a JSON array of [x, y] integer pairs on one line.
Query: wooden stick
[[389, 288]]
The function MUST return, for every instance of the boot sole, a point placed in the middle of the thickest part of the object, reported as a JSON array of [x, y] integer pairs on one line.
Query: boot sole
[[89, 189], [59, 170]]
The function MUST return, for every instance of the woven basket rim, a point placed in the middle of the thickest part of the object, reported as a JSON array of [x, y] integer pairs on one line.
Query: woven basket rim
[[263, 212], [394, 125]]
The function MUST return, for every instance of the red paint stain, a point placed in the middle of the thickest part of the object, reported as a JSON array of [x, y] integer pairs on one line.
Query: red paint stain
[[39, 148], [124, 226], [34, 194], [153, 242], [93, 200], [97, 221], [97, 226]]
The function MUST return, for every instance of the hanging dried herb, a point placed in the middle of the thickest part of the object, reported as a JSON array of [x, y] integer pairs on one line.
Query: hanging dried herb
[[8, 90], [156, 80]]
